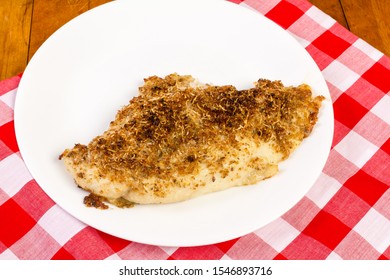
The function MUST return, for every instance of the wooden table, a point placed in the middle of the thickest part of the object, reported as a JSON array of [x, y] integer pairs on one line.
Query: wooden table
[[26, 24]]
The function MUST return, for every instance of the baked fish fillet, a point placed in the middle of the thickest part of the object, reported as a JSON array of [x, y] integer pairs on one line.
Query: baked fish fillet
[[180, 139]]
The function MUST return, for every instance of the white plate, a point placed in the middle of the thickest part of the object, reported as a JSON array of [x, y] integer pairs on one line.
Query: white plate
[[87, 70]]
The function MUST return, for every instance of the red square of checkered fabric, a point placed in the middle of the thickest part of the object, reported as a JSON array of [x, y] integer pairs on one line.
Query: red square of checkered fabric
[[386, 146], [348, 111], [379, 76], [327, 229], [227, 245], [385, 255], [115, 243], [280, 257], [335, 49], [285, 14], [62, 254], [15, 226], [7, 136], [366, 187]]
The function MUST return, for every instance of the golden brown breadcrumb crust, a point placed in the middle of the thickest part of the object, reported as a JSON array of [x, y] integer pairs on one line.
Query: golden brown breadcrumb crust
[[171, 127]]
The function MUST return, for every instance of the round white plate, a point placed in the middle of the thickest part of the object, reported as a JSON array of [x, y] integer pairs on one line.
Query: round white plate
[[93, 65]]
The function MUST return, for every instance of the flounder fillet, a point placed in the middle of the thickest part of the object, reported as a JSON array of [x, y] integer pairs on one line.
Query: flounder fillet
[[180, 139]]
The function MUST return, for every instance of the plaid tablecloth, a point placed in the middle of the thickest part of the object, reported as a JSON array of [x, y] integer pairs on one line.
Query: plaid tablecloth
[[345, 215]]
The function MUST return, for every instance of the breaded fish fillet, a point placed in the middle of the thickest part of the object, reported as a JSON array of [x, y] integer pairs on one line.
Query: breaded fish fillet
[[180, 139]]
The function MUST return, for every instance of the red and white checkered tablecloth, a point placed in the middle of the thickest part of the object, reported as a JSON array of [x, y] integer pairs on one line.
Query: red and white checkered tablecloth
[[345, 215]]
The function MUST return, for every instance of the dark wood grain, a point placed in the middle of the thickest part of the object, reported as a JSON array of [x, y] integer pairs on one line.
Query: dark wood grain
[[15, 23], [48, 16], [370, 20]]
